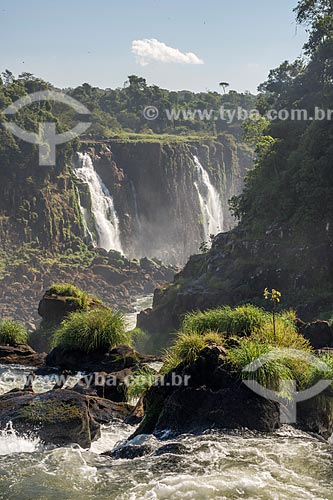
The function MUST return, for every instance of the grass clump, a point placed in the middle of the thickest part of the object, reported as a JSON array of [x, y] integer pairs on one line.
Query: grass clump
[[97, 330], [12, 333], [187, 348], [248, 334], [72, 294], [239, 321]]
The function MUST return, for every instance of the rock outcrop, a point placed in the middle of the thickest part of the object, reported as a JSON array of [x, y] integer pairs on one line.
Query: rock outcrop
[[21, 355], [117, 359], [213, 398], [237, 269], [59, 417]]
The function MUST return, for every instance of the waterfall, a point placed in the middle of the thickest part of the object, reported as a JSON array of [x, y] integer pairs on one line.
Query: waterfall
[[135, 204], [85, 218], [105, 217], [210, 202]]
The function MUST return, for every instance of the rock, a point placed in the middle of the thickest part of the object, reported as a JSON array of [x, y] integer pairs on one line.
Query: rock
[[113, 361], [21, 355], [110, 274], [318, 333], [316, 415], [60, 417], [213, 397], [54, 308], [129, 452], [137, 414], [172, 448], [105, 385]]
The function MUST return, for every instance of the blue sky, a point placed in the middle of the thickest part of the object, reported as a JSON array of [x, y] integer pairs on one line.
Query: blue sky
[[69, 42]]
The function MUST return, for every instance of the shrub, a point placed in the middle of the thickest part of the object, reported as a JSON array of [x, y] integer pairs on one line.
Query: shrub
[[241, 320], [187, 348], [12, 333], [90, 331]]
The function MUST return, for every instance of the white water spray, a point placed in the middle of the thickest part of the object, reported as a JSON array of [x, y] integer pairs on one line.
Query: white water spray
[[105, 216], [210, 202]]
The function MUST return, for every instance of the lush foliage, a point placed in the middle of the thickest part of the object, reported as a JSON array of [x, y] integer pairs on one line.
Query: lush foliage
[[247, 332], [12, 333], [97, 330], [295, 172]]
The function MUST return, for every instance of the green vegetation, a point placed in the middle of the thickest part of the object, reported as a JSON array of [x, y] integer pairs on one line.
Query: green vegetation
[[247, 333], [187, 347], [294, 172], [139, 383], [12, 333], [97, 330], [71, 293], [238, 321]]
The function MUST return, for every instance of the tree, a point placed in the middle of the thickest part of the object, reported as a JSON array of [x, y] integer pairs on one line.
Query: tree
[[224, 85]]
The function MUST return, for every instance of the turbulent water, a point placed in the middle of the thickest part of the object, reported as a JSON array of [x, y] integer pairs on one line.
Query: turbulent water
[[286, 465], [104, 213], [210, 202]]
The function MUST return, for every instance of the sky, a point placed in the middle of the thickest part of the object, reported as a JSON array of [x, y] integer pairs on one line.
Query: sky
[[176, 44]]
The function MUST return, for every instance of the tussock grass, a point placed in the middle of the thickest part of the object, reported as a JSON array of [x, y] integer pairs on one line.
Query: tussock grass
[[187, 348], [71, 293], [12, 333], [90, 331], [240, 321], [247, 332]]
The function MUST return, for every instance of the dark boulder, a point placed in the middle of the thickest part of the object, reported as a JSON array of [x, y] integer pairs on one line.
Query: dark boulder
[[21, 354], [129, 452], [58, 417], [105, 385], [113, 361], [212, 396], [318, 333], [54, 308]]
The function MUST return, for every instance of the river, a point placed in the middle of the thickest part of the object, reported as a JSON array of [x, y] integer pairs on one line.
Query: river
[[288, 464]]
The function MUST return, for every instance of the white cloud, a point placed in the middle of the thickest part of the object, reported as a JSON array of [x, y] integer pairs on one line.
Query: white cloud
[[149, 50]]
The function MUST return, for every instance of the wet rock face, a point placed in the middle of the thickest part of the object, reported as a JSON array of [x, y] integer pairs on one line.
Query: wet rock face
[[60, 417]]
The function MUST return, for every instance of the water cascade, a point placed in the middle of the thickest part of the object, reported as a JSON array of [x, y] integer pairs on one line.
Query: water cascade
[[102, 206], [210, 202]]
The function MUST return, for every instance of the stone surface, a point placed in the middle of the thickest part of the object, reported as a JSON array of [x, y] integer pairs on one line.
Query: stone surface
[[21, 355], [117, 359], [214, 398], [59, 416]]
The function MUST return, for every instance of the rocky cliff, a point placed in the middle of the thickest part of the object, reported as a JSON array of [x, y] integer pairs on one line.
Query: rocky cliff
[[154, 192], [43, 236]]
